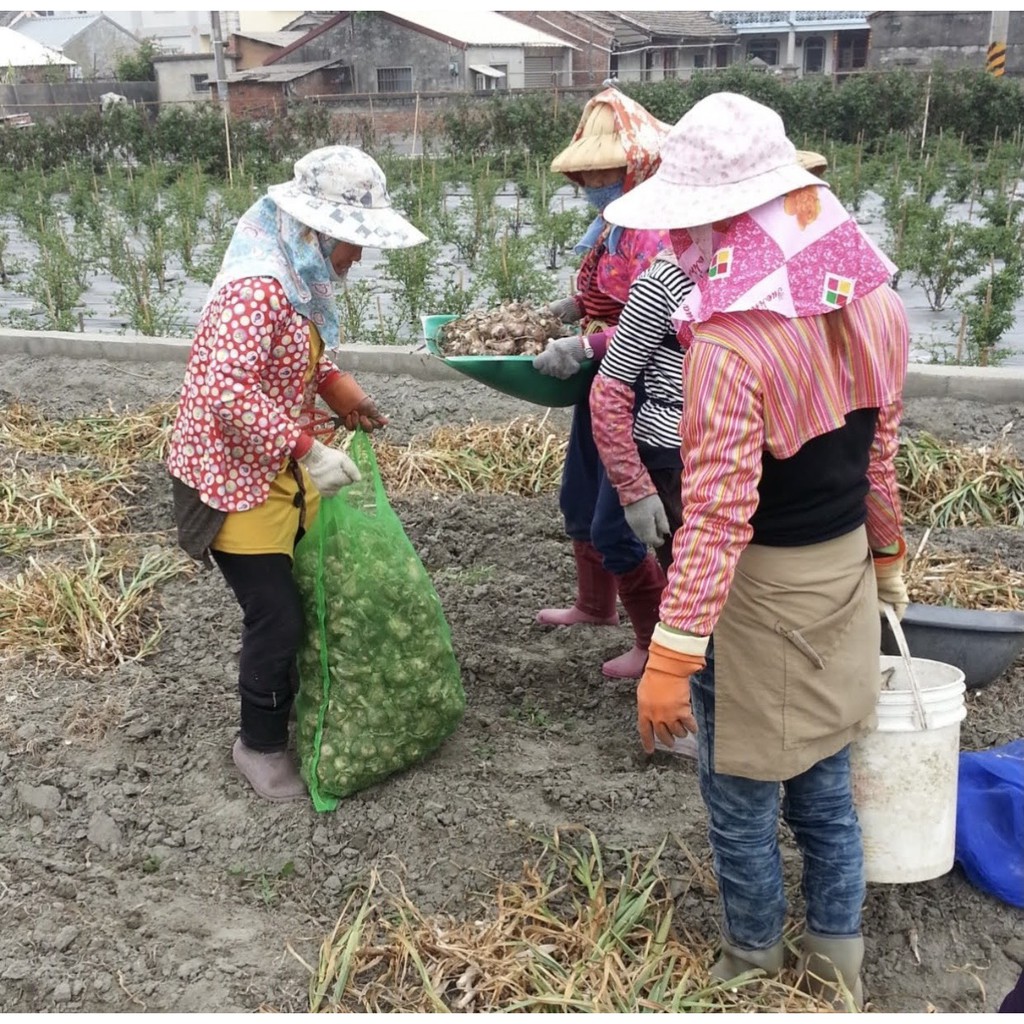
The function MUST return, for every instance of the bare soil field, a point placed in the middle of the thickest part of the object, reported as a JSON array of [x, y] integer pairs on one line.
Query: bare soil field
[[137, 871]]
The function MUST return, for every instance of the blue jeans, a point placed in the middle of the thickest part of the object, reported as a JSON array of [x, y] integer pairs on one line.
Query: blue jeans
[[590, 504], [743, 821]]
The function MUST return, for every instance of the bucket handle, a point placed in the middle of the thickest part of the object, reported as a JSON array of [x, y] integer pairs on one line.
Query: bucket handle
[[901, 642]]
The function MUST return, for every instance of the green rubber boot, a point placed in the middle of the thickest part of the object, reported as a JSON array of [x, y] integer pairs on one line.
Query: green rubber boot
[[735, 961], [830, 969]]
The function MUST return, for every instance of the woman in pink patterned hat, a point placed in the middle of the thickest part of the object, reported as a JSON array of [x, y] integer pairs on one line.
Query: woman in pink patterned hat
[[791, 531], [247, 466]]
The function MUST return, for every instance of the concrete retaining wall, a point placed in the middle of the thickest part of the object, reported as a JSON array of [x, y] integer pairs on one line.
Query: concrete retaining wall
[[992, 385]]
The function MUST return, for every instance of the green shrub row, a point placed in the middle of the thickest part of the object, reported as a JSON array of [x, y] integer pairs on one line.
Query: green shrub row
[[870, 108]]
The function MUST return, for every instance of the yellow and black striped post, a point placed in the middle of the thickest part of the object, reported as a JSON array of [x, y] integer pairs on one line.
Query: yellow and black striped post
[[995, 63]]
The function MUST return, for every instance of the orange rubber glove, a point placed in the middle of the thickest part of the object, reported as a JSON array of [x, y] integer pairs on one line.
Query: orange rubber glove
[[892, 588], [663, 696]]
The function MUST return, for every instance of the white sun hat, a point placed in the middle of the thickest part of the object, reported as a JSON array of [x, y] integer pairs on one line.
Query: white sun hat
[[341, 192], [724, 156]]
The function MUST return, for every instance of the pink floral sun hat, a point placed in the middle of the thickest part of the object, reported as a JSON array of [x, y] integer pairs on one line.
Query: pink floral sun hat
[[726, 155], [772, 236]]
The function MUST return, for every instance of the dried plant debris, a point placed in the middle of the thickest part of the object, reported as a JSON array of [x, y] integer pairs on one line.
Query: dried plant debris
[[585, 930], [962, 581], [513, 329], [524, 457], [126, 436], [945, 484]]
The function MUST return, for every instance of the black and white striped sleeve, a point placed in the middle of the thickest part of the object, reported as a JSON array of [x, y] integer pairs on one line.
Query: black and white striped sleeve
[[645, 320]]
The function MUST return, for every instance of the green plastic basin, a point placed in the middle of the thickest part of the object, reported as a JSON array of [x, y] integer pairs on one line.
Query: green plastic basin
[[512, 375]]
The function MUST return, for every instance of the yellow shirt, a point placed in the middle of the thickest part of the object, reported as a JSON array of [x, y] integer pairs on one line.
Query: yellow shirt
[[271, 528]]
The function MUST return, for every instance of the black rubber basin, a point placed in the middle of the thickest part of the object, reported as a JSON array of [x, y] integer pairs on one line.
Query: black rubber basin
[[982, 644]]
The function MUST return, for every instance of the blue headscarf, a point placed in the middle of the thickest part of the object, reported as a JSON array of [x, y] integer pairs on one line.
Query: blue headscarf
[[271, 243]]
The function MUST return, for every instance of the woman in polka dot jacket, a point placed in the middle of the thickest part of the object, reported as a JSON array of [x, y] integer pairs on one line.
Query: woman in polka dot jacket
[[246, 467]]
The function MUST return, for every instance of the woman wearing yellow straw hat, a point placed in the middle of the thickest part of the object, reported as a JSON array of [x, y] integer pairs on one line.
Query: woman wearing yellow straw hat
[[614, 148], [792, 529]]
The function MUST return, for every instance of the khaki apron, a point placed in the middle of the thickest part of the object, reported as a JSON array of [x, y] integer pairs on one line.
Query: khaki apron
[[797, 673]]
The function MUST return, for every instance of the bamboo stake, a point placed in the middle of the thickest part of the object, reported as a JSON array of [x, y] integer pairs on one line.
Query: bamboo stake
[[960, 340], [927, 104], [227, 145], [415, 125]]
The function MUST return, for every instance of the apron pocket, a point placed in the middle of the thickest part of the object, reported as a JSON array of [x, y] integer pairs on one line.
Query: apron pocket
[[831, 669]]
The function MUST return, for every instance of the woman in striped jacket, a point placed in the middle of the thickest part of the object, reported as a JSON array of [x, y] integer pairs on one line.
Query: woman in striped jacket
[[792, 529], [636, 404]]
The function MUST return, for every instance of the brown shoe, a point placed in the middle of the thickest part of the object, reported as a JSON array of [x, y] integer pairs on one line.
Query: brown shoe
[[273, 776]]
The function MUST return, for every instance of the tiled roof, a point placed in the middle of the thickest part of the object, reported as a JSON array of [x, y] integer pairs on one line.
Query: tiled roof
[[698, 24]]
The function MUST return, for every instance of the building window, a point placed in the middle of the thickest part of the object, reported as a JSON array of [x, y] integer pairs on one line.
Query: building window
[[700, 60], [853, 51], [394, 79], [200, 83], [814, 55], [764, 49]]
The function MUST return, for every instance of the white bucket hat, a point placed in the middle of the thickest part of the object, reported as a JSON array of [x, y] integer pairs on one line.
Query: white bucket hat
[[341, 192], [724, 156]]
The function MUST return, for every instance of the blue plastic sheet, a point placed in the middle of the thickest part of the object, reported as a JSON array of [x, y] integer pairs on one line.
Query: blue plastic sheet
[[990, 820]]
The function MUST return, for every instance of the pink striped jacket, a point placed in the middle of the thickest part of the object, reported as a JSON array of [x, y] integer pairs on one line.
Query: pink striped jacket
[[756, 382]]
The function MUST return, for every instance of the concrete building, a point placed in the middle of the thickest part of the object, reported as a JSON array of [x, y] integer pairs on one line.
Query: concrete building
[[187, 77], [265, 21], [95, 42], [176, 31], [436, 51], [267, 91], [637, 46], [802, 42], [250, 49], [950, 39]]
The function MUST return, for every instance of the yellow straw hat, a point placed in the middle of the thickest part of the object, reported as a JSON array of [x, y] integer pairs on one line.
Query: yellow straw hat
[[813, 162], [598, 147]]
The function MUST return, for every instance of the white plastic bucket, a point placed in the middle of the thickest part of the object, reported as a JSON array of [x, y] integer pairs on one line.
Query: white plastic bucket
[[905, 772]]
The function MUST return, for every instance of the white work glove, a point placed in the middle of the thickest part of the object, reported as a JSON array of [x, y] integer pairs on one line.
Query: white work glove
[[892, 587], [561, 358], [647, 519], [329, 469], [566, 310]]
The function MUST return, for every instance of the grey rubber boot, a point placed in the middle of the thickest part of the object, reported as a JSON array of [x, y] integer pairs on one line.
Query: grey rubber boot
[[829, 968], [735, 961], [274, 777]]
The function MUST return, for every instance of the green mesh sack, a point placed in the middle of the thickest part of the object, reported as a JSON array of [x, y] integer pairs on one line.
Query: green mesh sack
[[379, 686]]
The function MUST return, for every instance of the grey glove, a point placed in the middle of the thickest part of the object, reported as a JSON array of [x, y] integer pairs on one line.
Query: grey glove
[[566, 310], [647, 519], [561, 358]]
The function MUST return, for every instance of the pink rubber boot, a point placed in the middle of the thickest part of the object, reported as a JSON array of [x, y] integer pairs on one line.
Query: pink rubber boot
[[596, 590], [640, 592]]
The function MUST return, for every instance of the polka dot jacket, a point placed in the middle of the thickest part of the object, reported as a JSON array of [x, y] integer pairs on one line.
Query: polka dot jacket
[[247, 395]]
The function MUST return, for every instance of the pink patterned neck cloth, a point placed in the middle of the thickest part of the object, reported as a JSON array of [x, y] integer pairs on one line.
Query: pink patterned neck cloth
[[799, 255]]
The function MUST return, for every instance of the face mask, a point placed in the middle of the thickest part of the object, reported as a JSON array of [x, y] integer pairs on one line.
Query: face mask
[[327, 246], [601, 197]]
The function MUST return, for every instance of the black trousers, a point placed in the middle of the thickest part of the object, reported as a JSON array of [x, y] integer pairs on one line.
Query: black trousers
[[271, 633]]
